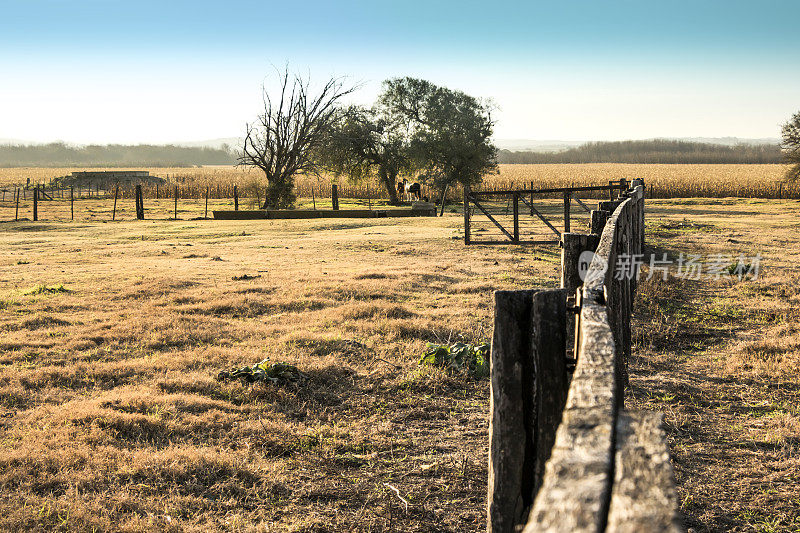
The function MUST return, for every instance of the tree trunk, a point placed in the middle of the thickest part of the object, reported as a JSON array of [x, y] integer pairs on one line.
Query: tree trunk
[[442, 199], [279, 193], [390, 182]]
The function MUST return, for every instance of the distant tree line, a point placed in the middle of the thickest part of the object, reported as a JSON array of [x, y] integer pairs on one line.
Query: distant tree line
[[652, 151], [113, 155]]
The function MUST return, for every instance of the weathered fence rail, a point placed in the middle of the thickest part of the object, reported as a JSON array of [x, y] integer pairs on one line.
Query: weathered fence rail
[[564, 453]]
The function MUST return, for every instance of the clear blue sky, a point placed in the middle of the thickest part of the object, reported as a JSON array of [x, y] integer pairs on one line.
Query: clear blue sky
[[112, 71]]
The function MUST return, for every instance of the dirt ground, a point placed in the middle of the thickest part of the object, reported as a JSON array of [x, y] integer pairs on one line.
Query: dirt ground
[[112, 417]]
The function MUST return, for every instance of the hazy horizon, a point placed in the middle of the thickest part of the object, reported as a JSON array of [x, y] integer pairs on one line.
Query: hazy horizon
[[502, 144], [110, 72]]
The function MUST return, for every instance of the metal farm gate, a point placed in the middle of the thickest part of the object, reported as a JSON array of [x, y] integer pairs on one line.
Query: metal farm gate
[[526, 216]]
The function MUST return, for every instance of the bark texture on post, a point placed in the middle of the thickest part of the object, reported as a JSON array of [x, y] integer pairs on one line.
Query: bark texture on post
[[572, 247], [511, 398], [139, 203], [598, 221], [335, 197], [551, 379], [114, 211], [643, 498], [575, 491], [466, 215]]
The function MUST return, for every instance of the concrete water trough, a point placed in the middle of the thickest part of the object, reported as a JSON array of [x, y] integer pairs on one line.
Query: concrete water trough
[[419, 209]]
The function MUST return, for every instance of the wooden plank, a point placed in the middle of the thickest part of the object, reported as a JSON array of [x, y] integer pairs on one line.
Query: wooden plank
[[644, 496], [575, 491], [490, 217]]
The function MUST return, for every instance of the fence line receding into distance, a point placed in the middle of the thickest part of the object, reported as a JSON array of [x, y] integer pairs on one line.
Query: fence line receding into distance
[[564, 454]]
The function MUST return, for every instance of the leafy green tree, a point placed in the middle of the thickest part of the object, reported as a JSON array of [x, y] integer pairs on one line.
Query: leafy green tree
[[450, 131], [791, 146], [364, 142]]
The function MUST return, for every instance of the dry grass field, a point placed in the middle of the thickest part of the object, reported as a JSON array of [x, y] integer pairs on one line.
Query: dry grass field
[[663, 180], [112, 417], [721, 359], [113, 335]]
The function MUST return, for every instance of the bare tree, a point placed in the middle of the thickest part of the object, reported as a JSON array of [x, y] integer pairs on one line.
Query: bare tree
[[285, 136]]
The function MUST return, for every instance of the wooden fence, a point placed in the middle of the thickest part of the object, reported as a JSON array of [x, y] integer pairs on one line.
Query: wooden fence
[[564, 453]]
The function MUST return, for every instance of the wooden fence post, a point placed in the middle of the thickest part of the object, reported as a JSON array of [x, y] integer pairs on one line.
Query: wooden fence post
[[567, 202], [573, 245], [206, 215], [335, 197], [176, 202], [72, 202], [511, 403], [235, 199], [116, 193], [516, 217], [599, 218], [16, 208], [466, 215], [550, 343], [529, 386], [139, 203], [36, 203]]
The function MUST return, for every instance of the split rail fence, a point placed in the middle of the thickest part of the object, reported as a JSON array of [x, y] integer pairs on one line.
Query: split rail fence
[[564, 453]]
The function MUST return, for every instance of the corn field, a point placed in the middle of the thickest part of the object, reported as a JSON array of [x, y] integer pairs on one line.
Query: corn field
[[663, 181]]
